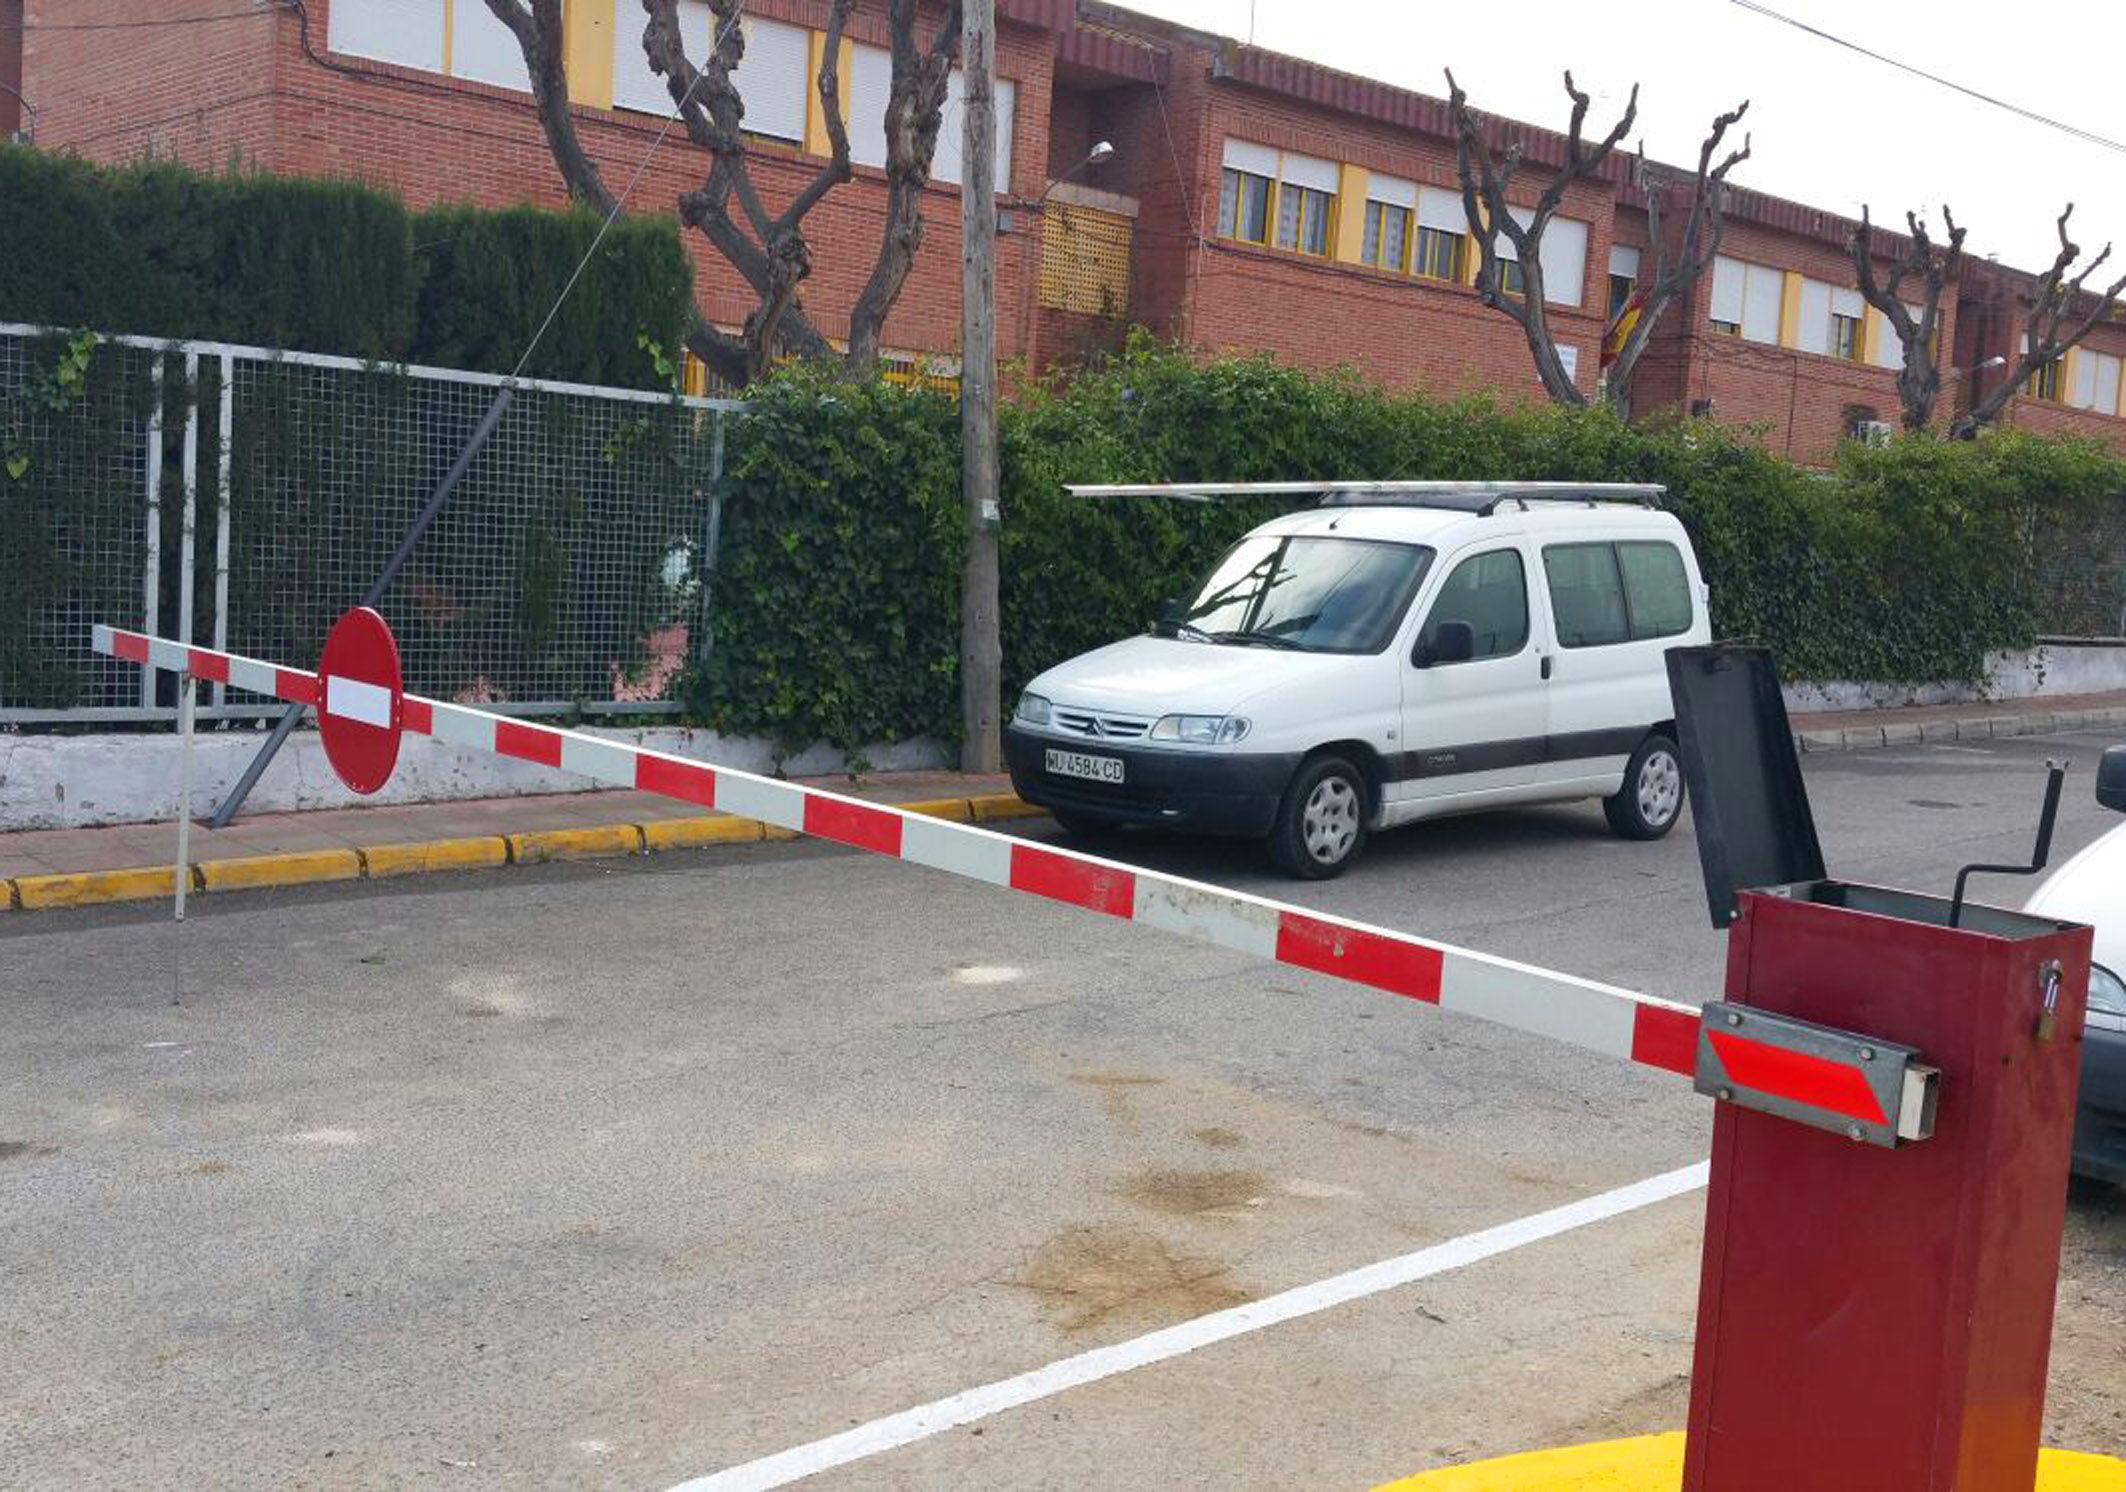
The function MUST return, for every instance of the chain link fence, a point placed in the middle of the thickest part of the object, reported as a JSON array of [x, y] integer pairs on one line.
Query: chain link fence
[[248, 497], [2081, 577]]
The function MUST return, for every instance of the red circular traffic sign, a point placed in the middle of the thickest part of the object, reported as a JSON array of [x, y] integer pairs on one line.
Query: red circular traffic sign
[[359, 698]]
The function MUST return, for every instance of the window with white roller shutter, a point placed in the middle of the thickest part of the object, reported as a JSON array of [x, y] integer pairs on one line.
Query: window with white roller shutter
[[871, 85], [772, 78], [1623, 276], [1306, 202], [1442, 247], [1813, 329], [1889, 347], [636, 85], [1746, 300], [408, 32], [1391, 206], [1564, 258], [1849, 319], [2096, 382], [945, 165], [483, 49]]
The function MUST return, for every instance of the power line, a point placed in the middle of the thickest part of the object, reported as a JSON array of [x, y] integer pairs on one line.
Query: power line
[[1919, 72], [207, 20]]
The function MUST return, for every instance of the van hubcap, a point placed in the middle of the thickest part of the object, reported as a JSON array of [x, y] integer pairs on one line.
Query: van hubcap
[[1330, 820], [1660, 787]]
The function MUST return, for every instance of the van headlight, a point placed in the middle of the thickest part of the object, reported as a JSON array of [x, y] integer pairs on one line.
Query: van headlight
[[1032, 710], [1201, 730], [2107, 995]]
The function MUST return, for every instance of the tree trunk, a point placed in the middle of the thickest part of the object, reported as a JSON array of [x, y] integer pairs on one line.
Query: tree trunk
[[981, 653]]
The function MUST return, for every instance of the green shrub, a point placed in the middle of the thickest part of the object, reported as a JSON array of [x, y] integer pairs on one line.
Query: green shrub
[[161, 250], [158, 249], [490, 278], [836, 607]]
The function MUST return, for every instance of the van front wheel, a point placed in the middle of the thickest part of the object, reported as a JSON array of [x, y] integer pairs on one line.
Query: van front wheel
[[1651, 799], [1321, 823]]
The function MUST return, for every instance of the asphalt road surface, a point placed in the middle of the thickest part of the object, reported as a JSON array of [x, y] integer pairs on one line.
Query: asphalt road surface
[[632, 1173]]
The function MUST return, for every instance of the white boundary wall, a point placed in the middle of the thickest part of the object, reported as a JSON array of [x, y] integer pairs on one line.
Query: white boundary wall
[[2058, 665], [77, 782]]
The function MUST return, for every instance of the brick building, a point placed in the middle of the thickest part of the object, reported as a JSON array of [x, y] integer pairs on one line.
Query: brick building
[[1252, 200]]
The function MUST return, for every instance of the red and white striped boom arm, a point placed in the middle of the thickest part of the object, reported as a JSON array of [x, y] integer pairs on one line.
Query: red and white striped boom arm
[[1598, 1017]]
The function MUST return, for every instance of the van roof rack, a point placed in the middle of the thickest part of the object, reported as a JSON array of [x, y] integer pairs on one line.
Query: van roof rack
[[1479, 498]]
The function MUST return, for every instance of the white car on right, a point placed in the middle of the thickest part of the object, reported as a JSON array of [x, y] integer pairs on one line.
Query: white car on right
[[2091, 888]]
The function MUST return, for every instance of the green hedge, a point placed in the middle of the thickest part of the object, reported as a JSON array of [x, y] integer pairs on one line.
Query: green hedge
[[161, 250], [835, 607]]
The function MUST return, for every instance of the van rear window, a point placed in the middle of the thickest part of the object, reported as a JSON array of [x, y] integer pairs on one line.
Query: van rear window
[[1603, 594]]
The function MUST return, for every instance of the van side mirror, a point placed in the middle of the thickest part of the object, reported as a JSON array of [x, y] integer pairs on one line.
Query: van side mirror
[[1452, 642], [1168, 621], [2111, 778]]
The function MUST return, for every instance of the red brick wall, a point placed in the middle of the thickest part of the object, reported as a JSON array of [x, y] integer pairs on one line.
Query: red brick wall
[[11, 114], [201, 93], [245, 89]]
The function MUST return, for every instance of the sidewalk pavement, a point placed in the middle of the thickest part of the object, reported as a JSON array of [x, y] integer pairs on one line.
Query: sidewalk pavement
[[75, 867]]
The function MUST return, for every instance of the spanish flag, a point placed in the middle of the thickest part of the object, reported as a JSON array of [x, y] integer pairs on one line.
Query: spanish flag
[[1627, 317]]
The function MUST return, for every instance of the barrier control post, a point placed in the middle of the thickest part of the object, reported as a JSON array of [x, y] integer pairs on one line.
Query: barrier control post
[[1876, 1299]]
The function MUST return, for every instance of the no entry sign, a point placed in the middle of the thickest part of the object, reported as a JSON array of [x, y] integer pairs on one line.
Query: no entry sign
[[360, 699]]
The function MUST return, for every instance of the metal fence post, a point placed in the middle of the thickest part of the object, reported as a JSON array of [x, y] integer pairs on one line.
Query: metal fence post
[[223, 490], [190, 522], [714, 541], [151, 569]]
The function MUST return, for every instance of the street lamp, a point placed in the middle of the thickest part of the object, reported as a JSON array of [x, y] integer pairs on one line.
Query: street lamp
[[1101, 153], [28, 132]]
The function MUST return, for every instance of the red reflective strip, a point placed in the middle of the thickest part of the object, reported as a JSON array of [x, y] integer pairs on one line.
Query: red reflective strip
[[1816, 1081], [414, 715], [298, 688], [531, 743], [682, 780], [1061, 878], [130, 646], [204, 665], [1391, 964], [1665, 1038], [859, 824]]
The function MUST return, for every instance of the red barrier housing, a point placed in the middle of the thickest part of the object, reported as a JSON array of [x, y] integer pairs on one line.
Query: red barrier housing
[[1882, 1318]]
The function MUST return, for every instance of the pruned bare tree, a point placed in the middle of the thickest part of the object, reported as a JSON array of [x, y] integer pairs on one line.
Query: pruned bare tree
[[1919, 375], [768, 249], [1678, 258], [1486, 180], [2062, 311]]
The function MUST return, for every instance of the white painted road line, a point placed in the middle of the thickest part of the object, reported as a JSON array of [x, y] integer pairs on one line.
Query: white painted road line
[[911, 1425]]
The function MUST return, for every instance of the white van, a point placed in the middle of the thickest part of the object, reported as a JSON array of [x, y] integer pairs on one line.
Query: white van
[[1402, 651]]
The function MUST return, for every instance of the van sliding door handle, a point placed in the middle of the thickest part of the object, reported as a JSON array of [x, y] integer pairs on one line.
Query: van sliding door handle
[[1546, 665]]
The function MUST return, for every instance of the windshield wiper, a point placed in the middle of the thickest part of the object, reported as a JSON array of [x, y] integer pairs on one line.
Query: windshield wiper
[[1260, 639]]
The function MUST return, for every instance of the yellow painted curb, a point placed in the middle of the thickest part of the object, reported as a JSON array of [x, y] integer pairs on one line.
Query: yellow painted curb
[[93, 887], [480, 853], [687, 834], [956, 809], [1654, 1463], [574, 844], [999, 806], [297, 868]]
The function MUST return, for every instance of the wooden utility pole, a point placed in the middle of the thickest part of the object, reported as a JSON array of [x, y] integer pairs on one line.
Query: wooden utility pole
[[981, 652]]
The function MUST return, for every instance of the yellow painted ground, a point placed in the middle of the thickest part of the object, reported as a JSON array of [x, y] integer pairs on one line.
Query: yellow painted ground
[[1654, 1463]]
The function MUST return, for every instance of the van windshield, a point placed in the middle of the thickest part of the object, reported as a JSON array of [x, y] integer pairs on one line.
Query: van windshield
[[1316, 595]]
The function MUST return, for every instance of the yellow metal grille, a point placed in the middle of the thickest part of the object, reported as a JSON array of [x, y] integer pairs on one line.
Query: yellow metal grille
[[914, 370], [1085, 260]]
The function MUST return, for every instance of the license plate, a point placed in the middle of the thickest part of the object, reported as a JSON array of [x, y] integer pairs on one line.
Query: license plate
[[1078, 764]]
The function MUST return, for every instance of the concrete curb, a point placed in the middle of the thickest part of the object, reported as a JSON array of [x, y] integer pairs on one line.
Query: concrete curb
[[419, 857], [1978, 728]]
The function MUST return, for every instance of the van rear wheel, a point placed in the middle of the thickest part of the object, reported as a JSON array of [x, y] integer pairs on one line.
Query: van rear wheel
[[1321, 822], [1651, 799]]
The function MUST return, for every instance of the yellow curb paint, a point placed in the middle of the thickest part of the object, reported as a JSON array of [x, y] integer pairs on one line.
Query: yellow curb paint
[[956, 809], [575, 844], [777, 831], [999, 806], [479, 853], [11, 901], [299, 868], [687, 834], [94, 887], [1654, 1463]]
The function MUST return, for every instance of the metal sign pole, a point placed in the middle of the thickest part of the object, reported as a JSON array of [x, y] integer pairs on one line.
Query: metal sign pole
[[186, 699]]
